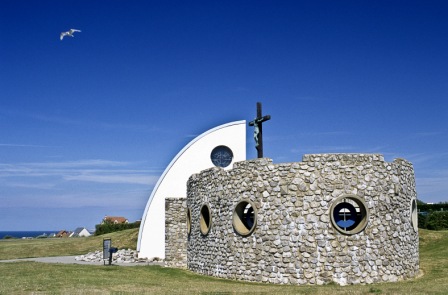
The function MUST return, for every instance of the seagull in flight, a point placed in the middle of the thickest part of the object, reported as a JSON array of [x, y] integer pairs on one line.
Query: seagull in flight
[[69, 33]]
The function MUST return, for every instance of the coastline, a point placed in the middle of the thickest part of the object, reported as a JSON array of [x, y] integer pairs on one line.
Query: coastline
[[26, 234]]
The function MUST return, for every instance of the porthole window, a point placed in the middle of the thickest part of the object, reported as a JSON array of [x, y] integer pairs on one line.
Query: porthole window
[[244, 218], [414, 215], [349, 214], [188, 221], [221, 156], [206, 219]]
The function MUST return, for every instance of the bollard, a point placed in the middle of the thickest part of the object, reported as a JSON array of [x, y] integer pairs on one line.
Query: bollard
[[112, 251], [107, 243]]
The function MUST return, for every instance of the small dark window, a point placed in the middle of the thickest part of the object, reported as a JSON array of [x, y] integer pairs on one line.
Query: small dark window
[[244, 218], [221, 156], [414, 215], [206, 220], [188, 221], [349, 214]]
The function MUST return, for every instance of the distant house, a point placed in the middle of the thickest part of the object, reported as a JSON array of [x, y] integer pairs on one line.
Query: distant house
[[114, 219], [63, 234], [80, 232]]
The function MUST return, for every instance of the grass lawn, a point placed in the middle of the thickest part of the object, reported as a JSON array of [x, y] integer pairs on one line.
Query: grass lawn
[[18, 248], [41, 278]]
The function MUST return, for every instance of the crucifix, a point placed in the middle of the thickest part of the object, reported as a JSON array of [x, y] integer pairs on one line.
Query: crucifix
[[258, 129]]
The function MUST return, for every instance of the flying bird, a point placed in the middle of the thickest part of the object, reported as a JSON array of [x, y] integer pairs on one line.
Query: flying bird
[[69, 33]]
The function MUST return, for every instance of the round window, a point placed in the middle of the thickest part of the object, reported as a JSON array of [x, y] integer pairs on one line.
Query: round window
[[414, 215], [244, 218], [349, 214], [206, 219], [188, 221], [221, 156]]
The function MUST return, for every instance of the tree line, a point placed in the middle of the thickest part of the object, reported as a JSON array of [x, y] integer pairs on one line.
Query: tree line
[[433, 216], [109, 227]]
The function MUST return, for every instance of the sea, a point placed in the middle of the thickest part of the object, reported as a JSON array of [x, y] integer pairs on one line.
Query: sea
[[26, 234]]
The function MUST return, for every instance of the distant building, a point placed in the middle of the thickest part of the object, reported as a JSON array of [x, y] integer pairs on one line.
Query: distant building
[[63, 234], [80, 232], [114, 219]]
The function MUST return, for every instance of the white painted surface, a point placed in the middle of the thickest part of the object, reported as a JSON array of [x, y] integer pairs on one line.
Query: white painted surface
[[193, 158], [84, 233]]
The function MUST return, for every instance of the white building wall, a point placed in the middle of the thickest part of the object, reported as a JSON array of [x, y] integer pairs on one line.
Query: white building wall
[[84, 233], [193, 158]]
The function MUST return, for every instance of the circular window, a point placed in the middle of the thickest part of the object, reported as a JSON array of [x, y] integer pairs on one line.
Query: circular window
[[244, 218], [188, 221], [206, 219], [414, 215], [221, 156], [349, 214]]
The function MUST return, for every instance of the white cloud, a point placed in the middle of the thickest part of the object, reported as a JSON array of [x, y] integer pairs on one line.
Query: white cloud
[[79, 121], [107, 197], [22, 145], [114, 178], [28, 185], [80, 163], [52, 173]]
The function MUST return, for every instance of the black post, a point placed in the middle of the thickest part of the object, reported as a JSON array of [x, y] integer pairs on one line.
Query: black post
[[110, 257], [259, 147]]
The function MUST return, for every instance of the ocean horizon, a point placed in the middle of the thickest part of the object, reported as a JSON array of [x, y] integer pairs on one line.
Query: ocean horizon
[[26, 234]]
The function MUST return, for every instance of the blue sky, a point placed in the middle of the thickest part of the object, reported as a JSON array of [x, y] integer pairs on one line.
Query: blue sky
[[88, 124]]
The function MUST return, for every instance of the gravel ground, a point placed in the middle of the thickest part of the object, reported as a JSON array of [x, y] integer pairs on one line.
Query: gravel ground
[[72, 260]]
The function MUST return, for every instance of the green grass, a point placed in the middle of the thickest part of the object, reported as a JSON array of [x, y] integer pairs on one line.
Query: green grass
[[41, 278], [18, 248]]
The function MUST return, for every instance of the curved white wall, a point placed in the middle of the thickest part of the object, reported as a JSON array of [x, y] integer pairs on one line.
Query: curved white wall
[[193, 158]]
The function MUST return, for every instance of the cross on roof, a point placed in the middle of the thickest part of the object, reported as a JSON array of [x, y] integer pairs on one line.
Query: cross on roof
[[258, 129]]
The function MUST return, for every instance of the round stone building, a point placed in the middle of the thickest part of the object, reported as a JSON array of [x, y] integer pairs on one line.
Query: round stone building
[[344, 218]]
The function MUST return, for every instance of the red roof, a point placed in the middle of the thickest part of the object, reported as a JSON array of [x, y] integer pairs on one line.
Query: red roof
[[115, 219]]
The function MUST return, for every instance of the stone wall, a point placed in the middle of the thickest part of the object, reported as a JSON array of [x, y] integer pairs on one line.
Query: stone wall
[[176, 232], [295, 240]]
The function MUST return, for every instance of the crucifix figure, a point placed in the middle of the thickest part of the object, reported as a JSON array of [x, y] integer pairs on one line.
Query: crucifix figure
[[258, 130]]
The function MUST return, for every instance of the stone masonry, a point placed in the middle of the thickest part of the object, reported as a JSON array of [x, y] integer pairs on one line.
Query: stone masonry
[[176, 232], [295, 240]]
